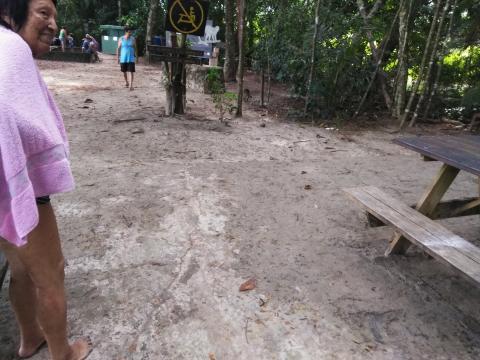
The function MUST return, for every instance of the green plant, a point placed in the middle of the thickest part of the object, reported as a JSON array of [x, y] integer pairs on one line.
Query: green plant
[[224, 101], [471, 101]]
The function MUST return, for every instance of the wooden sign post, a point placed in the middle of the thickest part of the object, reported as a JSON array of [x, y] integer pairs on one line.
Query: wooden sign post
[[185, 17]]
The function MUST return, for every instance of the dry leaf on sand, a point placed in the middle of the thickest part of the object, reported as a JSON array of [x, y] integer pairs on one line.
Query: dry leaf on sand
[[248, 285]]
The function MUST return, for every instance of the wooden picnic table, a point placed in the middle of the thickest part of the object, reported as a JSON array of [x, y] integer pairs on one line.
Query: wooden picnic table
[[461, 152], [414, 224], [456, 153]]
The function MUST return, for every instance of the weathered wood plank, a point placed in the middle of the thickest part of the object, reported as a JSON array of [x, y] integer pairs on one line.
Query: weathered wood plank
[[455, 208], [462, 152], [427, 159], [471, 206], [433, 228], [168, 51], [154, 58], [432, 237], [427, 203], [444, 210], [432, 196]]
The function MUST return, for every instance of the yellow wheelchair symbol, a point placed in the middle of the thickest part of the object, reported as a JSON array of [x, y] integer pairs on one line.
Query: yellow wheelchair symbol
[[189, 21]]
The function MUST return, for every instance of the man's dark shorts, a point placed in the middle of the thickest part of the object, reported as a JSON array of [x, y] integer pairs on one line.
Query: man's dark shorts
[[127, 67]]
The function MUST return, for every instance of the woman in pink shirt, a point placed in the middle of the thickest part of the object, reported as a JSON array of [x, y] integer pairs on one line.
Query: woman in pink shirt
[[33, 165]]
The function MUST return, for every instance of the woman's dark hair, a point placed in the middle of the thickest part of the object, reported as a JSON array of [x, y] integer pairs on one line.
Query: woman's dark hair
[[17, 10]]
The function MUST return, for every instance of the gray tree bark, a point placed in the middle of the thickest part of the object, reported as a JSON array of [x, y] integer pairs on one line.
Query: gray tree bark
[[119, 2], [426, 51], [378, 65], [152, 11], [440, 60], [382, 78], [312, 57], [402, 71], [229, 66], [241, 54], [433, 55]]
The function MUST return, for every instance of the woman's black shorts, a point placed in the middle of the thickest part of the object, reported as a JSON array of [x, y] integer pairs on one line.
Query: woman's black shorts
[[127, 67], [43, 200]]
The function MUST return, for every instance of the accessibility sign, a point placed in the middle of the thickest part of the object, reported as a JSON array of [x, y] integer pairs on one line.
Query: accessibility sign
[[187, 16]]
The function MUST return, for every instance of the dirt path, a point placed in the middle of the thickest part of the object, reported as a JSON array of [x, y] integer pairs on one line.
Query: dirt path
[[170, 216]]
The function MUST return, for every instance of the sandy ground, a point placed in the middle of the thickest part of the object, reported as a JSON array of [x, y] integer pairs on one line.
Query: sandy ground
[[171, 215]]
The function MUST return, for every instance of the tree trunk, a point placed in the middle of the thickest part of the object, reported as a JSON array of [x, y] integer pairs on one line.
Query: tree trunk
[[440, 61], [382, 77], [151, 23], [402, 71], [426, 51], [262, 97], [312, 58], [378, 65], [241, 54], [119, 2], [179, 88], [169, 111], [433, 55], [269, 74], [229, 66]]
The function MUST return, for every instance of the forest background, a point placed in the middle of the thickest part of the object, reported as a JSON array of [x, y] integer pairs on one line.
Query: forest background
[[414, 60]]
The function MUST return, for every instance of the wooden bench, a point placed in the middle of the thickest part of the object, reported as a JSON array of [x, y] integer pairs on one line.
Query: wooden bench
[[420, 230]]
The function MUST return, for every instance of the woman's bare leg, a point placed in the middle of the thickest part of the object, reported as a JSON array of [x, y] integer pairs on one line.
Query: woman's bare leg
[[131, 80], [23, 297], [126, 79], [43, 260]]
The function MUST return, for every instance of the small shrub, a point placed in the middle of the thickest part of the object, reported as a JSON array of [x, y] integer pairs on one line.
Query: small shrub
[[224, 101]]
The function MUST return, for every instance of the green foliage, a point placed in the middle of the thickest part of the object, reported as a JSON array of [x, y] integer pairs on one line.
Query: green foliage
[[283, 34], [471, 101], [279, 37], [86, 16], [462, 66], [224, 101], [342, 69]]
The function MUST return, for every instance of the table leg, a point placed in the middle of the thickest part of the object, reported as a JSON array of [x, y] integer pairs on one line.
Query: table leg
[[426, 205]]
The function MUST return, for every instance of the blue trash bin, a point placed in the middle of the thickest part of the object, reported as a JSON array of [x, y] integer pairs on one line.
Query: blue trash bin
[[157, 40]]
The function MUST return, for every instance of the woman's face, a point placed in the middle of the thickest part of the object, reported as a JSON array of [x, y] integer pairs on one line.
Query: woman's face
[[40, 27]]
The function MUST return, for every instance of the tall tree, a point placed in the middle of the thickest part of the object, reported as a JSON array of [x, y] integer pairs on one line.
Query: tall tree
[[229, 66], [433, 56], [441, 58], [312, 57], [402, 69], [119, 2], [378, 65], [426, 52], [152, 11], [241, 54], [382, 78]]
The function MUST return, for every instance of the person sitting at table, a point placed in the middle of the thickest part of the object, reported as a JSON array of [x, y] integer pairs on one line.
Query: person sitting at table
[[85, 44], [91, 46], [70, 41]]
